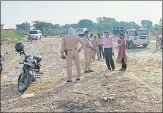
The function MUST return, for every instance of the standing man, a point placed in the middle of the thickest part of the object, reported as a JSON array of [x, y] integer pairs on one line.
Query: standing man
[[70, 47], [95, 45], [88, 48], [91, 38], [100, 46], [158, 41], [108, 51]]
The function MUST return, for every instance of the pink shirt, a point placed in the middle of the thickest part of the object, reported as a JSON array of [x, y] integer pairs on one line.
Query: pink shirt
[[108, 42]]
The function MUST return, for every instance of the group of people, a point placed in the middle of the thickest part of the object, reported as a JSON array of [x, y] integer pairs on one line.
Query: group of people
[[92, 45]]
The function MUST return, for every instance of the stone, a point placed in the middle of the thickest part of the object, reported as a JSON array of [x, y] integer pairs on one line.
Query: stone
[[105, 99], [112, 98], [27, 95]]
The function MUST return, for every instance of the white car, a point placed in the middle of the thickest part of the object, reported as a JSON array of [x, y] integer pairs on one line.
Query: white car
[[35, 34], [135, 37]]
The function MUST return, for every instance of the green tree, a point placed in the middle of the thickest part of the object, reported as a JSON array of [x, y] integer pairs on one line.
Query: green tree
[[85, 23], [45, 27], [146, 24], [23, 27], [106, 24]]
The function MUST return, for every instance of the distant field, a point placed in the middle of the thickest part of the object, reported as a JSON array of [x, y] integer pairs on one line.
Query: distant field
[[12, 36]]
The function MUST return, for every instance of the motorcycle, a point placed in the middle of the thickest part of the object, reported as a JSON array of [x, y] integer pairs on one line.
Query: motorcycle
[[30, 71]]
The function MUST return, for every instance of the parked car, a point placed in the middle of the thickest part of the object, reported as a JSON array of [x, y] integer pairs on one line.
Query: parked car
[[135, 37], [35, 34]]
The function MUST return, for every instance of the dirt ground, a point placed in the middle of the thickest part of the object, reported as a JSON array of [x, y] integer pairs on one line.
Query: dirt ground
[[139, 89]]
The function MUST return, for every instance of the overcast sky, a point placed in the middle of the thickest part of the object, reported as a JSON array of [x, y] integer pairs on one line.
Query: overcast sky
[[67, 12]]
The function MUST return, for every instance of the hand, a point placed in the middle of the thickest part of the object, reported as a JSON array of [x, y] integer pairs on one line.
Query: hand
[[93, 49], [63, 57]]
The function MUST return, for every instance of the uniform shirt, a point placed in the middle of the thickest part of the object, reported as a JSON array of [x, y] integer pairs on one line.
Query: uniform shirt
[[108, 42], [94, 42], [70, 42], [87, 43]]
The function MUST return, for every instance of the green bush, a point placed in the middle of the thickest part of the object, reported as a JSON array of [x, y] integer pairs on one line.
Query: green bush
[[14, 36]]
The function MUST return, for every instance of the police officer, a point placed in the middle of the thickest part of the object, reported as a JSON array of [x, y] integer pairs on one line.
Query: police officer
[[70, 46], [95, 45], [88, 48], [158, 41]]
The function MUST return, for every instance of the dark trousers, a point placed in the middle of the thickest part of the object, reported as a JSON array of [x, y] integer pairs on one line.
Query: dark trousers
[[101, 51], [124, 66], [108, 58]]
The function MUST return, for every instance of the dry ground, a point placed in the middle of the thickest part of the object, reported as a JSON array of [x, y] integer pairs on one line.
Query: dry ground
[[139, 89]]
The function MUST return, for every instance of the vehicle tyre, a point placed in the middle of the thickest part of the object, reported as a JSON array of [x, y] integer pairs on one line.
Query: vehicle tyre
[[130, 45], [1, 68], [23, 81], [126, 44], [145, 45], [40, 37], [36, 37]]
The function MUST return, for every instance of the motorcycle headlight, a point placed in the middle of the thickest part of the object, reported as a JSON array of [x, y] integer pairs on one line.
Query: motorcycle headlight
[[30, 60]]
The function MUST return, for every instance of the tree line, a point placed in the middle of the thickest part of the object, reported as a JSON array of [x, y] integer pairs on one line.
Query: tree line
[[102, 24]]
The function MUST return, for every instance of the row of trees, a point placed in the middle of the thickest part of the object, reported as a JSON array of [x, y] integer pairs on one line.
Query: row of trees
[[102, 24]]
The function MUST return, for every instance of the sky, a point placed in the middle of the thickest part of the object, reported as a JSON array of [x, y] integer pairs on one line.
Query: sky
[[68, 12]]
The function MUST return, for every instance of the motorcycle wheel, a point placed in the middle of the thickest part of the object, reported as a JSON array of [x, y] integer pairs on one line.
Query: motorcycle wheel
[[23, 82], [1, 68]]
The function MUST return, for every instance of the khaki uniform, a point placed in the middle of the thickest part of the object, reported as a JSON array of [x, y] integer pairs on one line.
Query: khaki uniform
[[70, 43], [95, 45], [158, 41], [88, 54]]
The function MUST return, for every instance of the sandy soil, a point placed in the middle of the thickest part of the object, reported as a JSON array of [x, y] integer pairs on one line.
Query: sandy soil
[[139, 89]]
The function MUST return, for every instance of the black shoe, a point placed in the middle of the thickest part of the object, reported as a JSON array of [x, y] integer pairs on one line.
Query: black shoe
[[77, 79], [109, 69], [123, 69], [86, 71], [112, 69], [90, 71], [69, 81]]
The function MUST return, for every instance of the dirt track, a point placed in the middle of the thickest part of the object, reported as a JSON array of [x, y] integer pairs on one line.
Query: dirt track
[[138, 89]]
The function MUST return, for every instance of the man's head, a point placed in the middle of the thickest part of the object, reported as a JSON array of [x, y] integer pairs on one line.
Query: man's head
[[71, 30], [95, 37], [86, 33], [99, 35], [106, 34], [91, 35]]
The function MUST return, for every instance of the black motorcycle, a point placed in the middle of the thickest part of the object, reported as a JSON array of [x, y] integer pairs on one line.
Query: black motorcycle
[[31, 68], [2, 59]]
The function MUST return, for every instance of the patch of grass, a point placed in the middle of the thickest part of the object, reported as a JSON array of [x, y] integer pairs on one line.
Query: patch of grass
[[13, 36]]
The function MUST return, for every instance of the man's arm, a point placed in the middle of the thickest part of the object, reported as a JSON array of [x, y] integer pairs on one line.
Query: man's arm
[[112, 45], [87, 43], [62, 46], [102, 42], [82, 44]]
